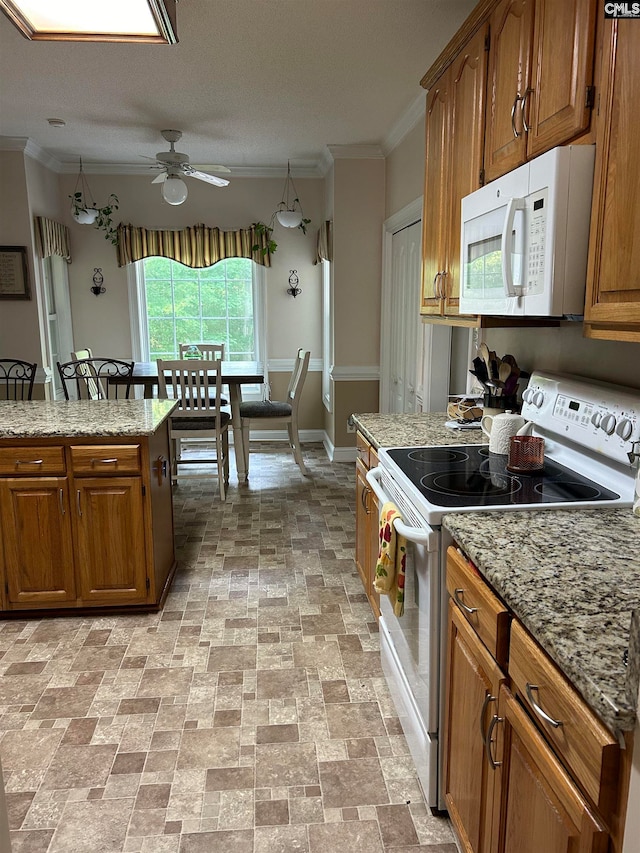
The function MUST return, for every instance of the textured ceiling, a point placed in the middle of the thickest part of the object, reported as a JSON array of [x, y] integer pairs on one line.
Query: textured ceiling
[[252, 83]]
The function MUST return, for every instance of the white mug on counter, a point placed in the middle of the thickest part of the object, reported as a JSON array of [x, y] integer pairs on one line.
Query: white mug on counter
[[500, 428]]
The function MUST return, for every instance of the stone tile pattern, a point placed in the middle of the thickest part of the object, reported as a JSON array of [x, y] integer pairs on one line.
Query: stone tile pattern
[[51, 419], [572, 577], [250, 715]]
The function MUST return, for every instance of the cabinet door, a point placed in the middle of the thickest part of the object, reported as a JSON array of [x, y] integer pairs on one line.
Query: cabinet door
[[36, 537], [539, 807], [473, 681], [467, 84], [374, 547], [362, 521], [509, 74], [613, 280], [110, 540], [435, 211], [558, 107]]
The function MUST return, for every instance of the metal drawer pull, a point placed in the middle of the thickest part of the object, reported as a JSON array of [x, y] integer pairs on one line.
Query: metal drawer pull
[[523, 109], [488, 698], [487, 741], [78, 502], [517, 98], [61, 496], [103, 461], [435, 288], [542, 714], [29, 461], [457, 594]]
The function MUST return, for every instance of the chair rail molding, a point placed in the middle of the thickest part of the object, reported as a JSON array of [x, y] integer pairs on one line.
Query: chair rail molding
[[355, 373]]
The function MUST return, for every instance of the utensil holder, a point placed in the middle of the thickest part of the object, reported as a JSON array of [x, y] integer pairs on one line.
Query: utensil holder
[[496, 403]]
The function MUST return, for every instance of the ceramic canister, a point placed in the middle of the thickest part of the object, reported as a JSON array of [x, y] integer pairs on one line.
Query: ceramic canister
[[500, 428]]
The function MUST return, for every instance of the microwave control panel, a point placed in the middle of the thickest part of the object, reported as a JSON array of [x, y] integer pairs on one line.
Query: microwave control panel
[[536, 212]]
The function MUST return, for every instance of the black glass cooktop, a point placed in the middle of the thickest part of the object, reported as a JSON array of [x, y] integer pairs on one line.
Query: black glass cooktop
[[472, 476]]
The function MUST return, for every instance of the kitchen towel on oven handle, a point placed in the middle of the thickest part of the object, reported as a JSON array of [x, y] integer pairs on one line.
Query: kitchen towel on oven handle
[[392, 555]]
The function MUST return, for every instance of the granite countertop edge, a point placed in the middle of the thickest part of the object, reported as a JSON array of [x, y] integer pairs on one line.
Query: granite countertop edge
[[82, 418]]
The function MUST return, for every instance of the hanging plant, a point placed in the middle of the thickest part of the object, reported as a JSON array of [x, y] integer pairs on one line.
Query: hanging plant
[[264, 230], [85, 211]]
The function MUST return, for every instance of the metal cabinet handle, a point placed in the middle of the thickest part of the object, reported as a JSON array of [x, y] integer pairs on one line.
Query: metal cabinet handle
[[517, 98], [103, 461], [539, 711], [435, 285], [488, 698], [523, 108], [29, 461], [442, 285], [457, 594], [487, 741], [78, 502], [61, 498]]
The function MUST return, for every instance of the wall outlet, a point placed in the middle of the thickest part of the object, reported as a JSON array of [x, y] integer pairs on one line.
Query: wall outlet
[[351, 427]]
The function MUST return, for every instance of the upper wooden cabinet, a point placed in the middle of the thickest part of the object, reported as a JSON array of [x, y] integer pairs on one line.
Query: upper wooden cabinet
[[613, 282], [454, 145], [540, 79]]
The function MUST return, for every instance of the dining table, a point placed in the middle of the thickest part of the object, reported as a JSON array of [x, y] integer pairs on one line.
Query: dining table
[[234, 375]]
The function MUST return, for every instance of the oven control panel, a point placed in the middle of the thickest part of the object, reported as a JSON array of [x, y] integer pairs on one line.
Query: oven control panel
[[604, 418]]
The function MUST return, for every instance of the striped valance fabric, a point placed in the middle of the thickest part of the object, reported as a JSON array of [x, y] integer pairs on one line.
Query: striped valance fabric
[[52, 238], [324, 245], [197, 246]]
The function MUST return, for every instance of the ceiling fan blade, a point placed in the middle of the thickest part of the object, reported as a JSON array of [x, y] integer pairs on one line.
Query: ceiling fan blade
[[210, 179], [160, 179], [213, 168]]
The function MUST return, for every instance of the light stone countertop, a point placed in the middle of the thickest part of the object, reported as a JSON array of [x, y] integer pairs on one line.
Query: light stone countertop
[[571, 576], [418, 430], [87, 418]]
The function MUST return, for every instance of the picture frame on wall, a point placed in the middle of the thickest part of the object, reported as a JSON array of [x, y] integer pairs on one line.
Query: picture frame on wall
[[14, 273]]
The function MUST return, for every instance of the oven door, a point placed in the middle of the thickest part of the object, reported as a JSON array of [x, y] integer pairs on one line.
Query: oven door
[[410, 646]]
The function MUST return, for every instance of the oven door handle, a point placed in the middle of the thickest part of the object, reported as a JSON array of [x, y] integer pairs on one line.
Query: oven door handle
[[420, 535]]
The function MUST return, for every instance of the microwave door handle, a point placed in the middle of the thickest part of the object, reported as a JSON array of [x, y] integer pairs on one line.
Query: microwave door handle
[[513, 206], [420, 535]]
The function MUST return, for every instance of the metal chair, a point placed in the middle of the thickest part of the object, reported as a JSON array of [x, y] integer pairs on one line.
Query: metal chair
[[286, 411], [89, 377], [16, 379], [199, 414]]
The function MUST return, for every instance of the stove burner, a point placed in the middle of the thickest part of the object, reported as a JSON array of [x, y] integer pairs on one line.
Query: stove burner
[[567, 491], [437, 455], [471, 484]]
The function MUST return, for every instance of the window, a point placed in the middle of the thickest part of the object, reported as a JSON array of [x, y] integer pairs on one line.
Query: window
[[177, 304]]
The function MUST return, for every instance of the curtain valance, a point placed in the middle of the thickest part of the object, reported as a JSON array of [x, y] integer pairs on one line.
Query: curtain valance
[[196, 246], [324, 245], [52, 238]]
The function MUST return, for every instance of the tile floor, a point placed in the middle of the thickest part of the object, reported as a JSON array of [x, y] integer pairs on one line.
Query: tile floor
[[250, 715]]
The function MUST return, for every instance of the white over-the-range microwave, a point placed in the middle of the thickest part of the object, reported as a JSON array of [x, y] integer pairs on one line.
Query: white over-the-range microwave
[[525, 238]]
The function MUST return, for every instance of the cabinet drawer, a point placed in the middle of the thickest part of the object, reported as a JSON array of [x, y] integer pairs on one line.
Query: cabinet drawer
[[32, 461], [482, 609], [362, 449], [585, 745], [106, 459]]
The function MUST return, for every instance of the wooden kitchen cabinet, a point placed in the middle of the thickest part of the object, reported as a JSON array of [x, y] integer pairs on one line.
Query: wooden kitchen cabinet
[[539, 91], [612, 309], [537, 804], [454, 143], [367, 521], [85, 523]]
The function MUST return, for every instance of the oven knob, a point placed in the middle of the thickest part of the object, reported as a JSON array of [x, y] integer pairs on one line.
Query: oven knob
[[596, 417], [608, 424], [538, 399], [527, 394], [624, 429]]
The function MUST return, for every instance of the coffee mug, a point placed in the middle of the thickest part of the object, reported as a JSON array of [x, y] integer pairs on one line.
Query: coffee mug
[[500, 428], [526, 454]]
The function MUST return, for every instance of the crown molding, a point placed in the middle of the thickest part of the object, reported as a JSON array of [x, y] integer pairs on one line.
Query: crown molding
[[30, 149], [356, 152], [405, 124], [308, 170]]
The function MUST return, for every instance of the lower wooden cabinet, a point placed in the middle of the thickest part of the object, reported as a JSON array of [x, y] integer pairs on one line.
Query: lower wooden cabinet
[[538, 806], [367, 522], [97, 534]]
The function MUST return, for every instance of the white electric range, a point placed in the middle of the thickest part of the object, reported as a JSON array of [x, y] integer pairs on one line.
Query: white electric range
[[591, 431]]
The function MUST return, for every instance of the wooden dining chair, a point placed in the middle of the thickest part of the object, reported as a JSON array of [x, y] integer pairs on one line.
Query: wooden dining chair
[[285, 411], [199, 414], [89, 377], [208, 352], [16, 378]]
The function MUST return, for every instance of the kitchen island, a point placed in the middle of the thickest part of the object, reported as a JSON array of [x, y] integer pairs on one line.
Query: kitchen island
[[86, 511]]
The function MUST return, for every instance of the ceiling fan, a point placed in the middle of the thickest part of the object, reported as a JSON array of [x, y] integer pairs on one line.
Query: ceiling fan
[[174, 164]]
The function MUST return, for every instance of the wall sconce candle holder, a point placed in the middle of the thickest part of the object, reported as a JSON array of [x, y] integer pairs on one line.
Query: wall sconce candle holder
[[98, 279], [294, 281]]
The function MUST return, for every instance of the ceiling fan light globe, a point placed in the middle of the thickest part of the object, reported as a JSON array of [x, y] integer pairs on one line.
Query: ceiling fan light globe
[[289, 218], [174, 190]]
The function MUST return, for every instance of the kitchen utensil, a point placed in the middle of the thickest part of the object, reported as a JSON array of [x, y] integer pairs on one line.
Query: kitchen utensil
[[504, 371], [500, 429], [483, 352], [526, 454]]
